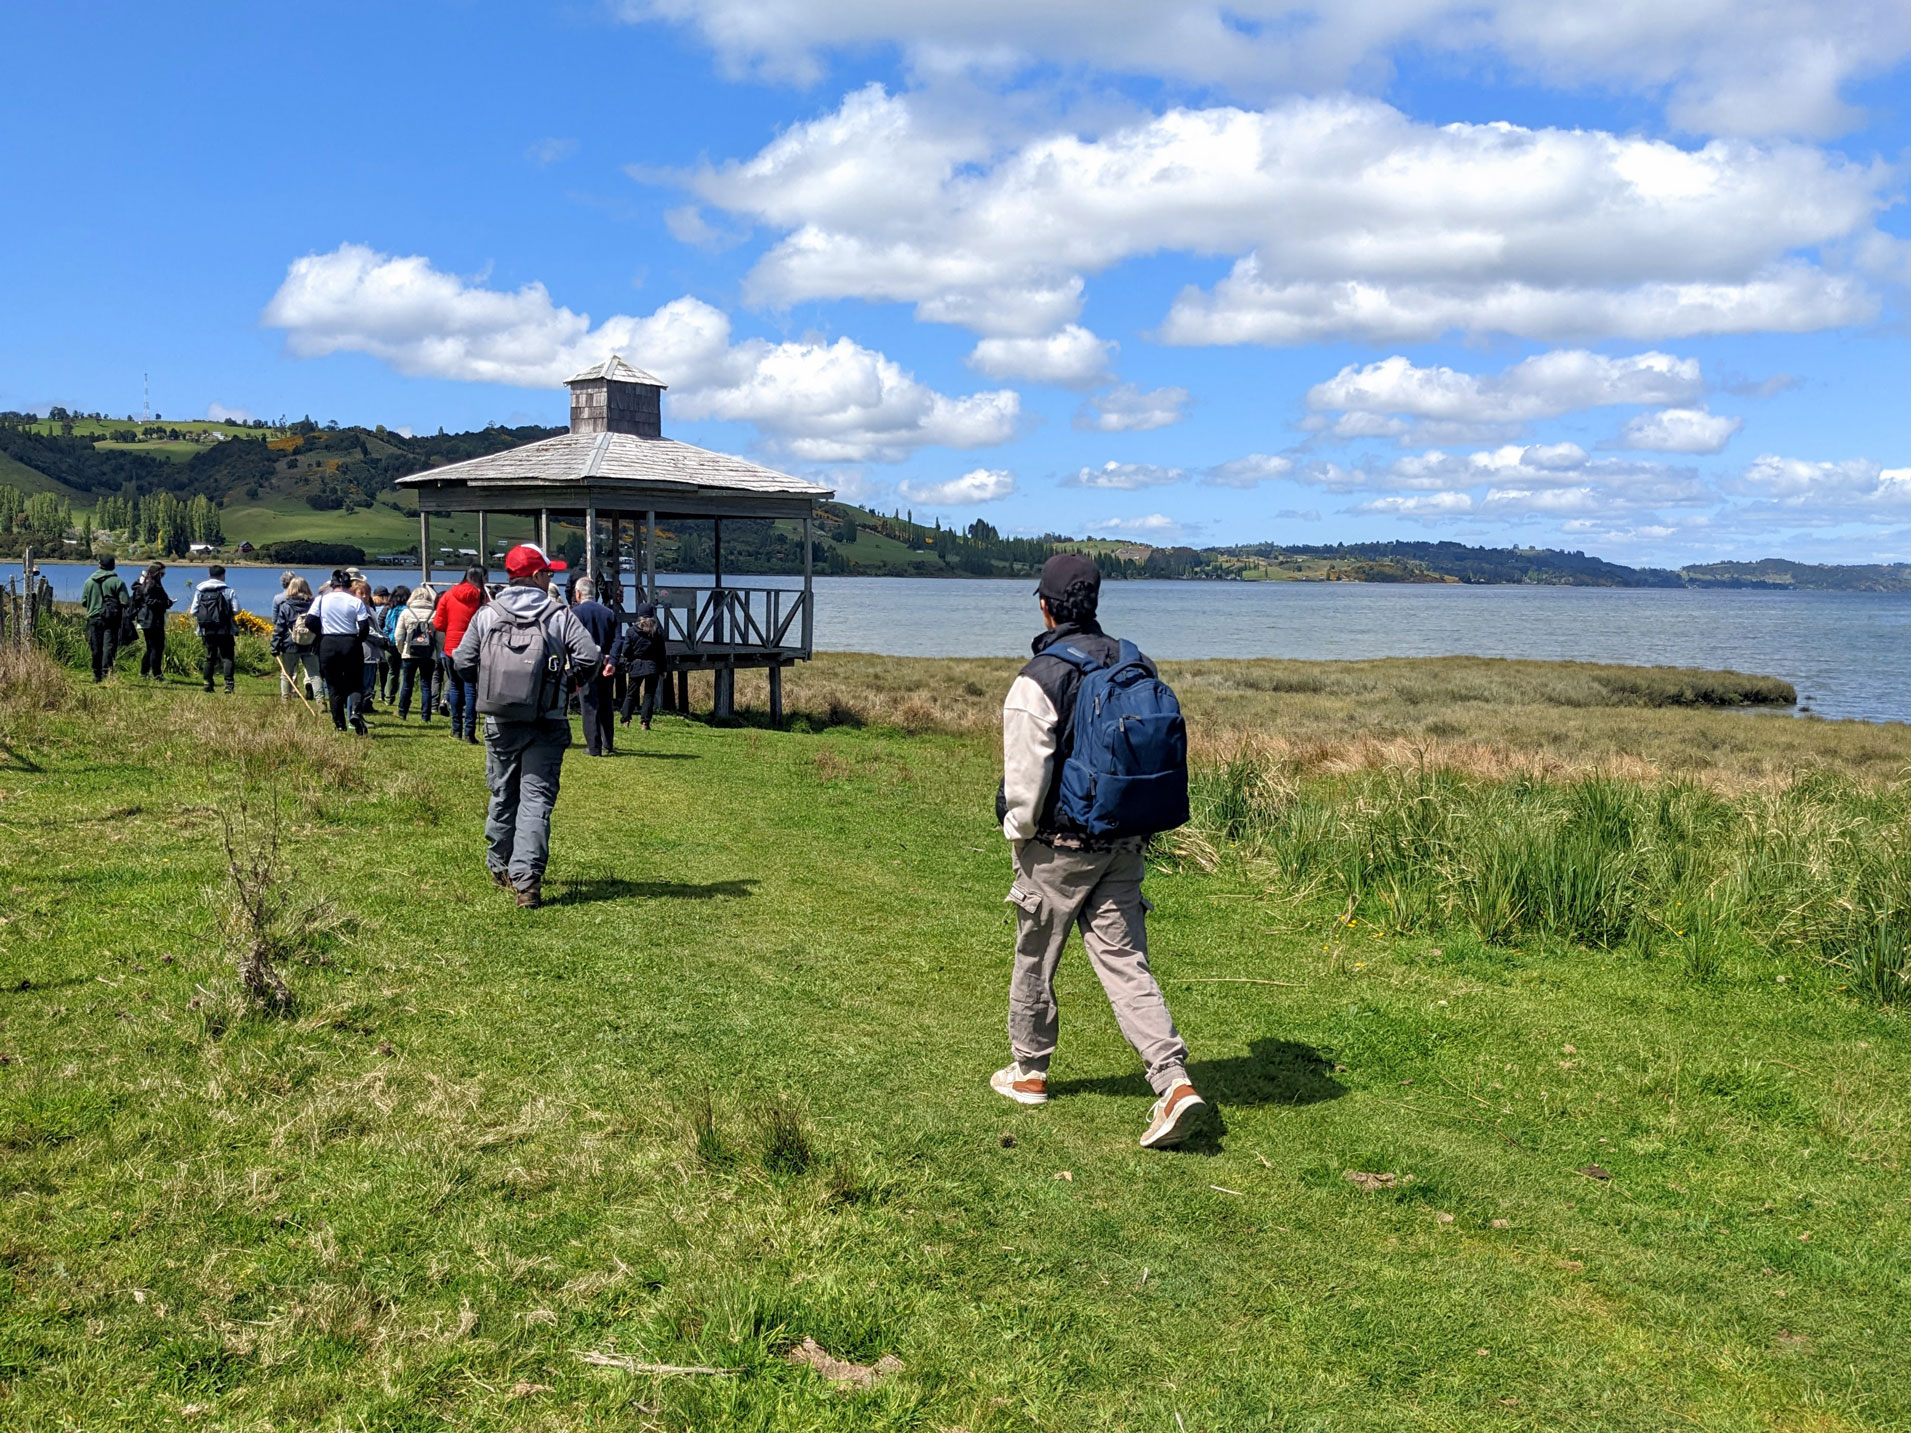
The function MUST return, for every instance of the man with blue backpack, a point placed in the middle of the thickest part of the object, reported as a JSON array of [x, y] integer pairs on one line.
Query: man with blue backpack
[[1094, 762]]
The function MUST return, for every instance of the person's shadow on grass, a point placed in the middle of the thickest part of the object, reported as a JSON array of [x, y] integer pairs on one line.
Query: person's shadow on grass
[[613, 888], [1273, 1072]]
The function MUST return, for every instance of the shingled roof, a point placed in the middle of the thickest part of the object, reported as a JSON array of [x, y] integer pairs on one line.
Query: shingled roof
[[617, 371], [614, 458]]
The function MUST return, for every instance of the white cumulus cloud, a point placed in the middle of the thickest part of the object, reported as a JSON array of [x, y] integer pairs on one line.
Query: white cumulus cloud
[[1248, 472], [823, 401], [1127, 409], [1071, 357], [1680, 430], [1831, 487], [1420, 505], [1777, 66], [1397, 398], [1125, 477], [983, 485], [1345, 218], [1156, 526], [220, 413]]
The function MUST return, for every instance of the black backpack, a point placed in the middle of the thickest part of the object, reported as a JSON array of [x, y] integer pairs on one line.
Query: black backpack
[[210, 608]]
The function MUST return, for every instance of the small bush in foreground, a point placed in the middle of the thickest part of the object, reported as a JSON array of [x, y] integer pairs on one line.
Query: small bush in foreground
[[268, 924]]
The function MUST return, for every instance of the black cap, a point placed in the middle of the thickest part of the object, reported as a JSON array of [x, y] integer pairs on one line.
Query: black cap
[[1066, 570]]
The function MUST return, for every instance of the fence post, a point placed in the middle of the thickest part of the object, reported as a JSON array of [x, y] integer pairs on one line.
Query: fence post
[[29, 610]]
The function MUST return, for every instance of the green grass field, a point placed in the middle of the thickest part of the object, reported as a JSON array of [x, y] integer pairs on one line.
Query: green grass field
[[728, 1092]]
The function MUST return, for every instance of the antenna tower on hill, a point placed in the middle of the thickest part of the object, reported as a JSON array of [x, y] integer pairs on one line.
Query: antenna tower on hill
[[146, 383]]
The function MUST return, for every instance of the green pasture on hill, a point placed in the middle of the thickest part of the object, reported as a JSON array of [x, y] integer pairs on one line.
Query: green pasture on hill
[[378, 528], [727, 1092]]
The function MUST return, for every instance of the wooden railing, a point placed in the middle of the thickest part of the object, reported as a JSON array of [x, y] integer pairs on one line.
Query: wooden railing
[[737, 619]]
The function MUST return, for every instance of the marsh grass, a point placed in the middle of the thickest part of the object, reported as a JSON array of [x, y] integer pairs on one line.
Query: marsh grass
[[1819, 868]]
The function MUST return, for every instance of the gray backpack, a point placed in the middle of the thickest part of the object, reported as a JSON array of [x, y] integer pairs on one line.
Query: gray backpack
[[518, 665]]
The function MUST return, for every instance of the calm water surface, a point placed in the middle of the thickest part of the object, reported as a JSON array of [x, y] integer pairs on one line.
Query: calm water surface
[[1848, 653]]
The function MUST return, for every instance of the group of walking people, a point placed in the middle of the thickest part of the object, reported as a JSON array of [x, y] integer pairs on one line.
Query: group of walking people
[[117, 614], [361, 646], [1094, 753]]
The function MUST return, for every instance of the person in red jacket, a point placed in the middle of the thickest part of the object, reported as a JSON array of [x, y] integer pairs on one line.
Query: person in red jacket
[[451, 616]]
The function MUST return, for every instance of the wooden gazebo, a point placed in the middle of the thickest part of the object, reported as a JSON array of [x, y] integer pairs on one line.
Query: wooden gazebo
[[616, 467]]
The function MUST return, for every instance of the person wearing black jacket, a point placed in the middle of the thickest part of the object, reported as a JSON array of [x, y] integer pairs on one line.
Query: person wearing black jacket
[[216, 611], [1066, 879], [594, 687], [642, 656], [151, 603], [297, 659], [104, 596]]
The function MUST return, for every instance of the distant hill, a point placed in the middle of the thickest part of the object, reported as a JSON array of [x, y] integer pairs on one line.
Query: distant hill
[[302, 482], [1779, 572]]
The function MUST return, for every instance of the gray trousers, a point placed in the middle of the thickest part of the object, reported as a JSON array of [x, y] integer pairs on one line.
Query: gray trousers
[[1100, 892], [522, 761]]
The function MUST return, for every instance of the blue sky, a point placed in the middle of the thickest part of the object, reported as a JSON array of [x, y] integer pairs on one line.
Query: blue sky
[[1626, 277]]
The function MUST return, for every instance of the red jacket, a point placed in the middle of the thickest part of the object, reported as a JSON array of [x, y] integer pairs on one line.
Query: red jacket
[[455, 611]]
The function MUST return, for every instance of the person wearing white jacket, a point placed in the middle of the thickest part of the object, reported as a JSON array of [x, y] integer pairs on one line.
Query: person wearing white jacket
[[416, 641], [1065, 878]]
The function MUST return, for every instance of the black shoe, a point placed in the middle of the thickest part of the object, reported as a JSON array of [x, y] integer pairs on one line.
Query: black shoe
[[472, 739], [208, 686]]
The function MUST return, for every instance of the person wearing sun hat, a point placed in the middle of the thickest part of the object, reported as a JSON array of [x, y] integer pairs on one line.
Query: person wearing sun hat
[[524, 652]]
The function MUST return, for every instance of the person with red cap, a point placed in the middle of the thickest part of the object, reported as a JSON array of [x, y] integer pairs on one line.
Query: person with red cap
[[523, 652]]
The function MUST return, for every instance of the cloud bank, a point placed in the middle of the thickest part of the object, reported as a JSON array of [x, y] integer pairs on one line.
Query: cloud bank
[[822, 401]]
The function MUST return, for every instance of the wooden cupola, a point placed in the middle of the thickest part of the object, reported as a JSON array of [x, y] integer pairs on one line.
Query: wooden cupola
[[613, 397]]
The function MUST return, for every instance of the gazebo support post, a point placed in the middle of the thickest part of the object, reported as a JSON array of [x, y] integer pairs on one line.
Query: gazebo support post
[[776, 696], [809, 601], [590, 546], [649, 565], [484, 542], [424, 546], [544, 530]]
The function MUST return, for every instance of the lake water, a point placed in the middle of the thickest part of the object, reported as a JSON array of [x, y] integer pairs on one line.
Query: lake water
[[1848, 653]]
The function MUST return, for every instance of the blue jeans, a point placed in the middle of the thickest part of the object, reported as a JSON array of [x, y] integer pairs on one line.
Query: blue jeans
[[464, 707], [522, 761], [419, 671]]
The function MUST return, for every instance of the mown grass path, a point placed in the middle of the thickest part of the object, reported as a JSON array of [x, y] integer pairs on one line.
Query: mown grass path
[[474, 1152]]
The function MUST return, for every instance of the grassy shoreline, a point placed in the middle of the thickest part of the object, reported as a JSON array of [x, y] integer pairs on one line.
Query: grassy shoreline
[[490, 1139]]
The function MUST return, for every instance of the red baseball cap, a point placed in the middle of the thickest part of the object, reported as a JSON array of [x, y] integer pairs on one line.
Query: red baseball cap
[[527, 559]]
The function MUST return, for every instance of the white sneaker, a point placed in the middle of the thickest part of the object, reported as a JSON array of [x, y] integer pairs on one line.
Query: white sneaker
[[1171, 1120], [1025, 1087]]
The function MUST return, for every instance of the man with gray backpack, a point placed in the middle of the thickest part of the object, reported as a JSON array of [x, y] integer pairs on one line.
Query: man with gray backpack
[[525, 652], [1094, 762]]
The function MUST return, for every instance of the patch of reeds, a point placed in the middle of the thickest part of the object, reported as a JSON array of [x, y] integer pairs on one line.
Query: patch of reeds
[[1818, 868]]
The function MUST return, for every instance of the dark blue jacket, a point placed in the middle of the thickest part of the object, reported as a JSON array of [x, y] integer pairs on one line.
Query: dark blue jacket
[[599, 621]]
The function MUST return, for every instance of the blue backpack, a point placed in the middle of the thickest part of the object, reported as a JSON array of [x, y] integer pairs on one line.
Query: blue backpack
[[1127, 774]]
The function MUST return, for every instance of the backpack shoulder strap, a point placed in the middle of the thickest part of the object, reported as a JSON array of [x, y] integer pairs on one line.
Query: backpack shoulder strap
[[1075, 657]]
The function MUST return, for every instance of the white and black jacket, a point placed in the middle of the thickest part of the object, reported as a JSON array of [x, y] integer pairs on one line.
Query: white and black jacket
[[1038, 720]]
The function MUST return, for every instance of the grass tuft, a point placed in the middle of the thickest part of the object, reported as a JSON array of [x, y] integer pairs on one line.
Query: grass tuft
[[783, 1140]]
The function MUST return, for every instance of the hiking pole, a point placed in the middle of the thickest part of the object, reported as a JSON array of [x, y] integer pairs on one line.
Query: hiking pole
[[297, 685]]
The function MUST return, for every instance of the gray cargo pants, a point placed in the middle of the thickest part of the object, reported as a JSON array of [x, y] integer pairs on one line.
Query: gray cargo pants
[[522, 761], [1099, 891]]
